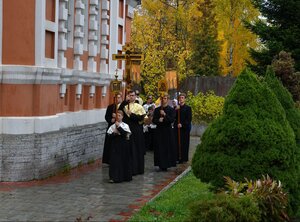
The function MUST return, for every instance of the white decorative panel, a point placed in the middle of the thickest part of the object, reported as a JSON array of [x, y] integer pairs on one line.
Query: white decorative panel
[[62, 33], [78, 34], [79, 19], [92, 40], [105, 5], [105, 29], [104, 53]]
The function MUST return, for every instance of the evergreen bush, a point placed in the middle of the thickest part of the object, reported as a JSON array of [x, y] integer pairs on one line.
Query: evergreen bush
[[286, 100], [251, 138], [226, 209]]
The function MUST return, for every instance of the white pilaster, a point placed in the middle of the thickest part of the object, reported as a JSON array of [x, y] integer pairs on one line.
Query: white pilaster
[[104, 36], [70, 24], [92, 40], [78, 34], [115, 21], [40, 13], [41, 25], [62, 33]]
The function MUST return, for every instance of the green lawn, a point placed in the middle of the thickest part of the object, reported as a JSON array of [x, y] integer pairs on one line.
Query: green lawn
[[173, 204]]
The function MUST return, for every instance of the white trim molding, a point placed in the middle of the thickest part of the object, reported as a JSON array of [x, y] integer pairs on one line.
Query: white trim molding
[[45, 124], [10, 74]]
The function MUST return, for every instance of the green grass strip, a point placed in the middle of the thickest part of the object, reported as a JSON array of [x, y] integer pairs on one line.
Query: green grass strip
[[173, 204]]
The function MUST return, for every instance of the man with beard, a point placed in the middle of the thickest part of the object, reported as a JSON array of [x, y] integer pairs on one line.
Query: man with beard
[[164, 146]]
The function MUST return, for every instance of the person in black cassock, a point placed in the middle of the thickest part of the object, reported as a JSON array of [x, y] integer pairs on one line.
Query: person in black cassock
[[134, 115], [110, 117], [183, 125], [120, 154], [164, 146]]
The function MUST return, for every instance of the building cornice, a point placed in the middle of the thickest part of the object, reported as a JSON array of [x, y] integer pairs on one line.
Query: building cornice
[[41, 75]]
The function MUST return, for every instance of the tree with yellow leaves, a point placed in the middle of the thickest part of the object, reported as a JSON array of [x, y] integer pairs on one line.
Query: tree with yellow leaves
[[165, 32], [160, 31], [237, 40]]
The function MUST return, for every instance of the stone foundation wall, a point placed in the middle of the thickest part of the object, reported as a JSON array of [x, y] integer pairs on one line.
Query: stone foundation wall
[[36, 156]]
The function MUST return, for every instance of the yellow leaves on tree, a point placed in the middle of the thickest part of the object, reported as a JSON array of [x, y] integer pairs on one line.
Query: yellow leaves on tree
[[235, 37]]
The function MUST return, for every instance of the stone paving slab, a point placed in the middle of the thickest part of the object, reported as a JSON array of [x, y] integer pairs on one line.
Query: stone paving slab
[[84, 194]]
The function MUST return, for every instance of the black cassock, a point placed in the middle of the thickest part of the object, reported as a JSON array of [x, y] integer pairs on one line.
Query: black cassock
[[164, 145], [135, 122], [108, 116], [185, 120], [120, 168]]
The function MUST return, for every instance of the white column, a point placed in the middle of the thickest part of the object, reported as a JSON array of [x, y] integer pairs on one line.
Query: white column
[[92, 40], [40, 13], [104, 34], [62, 33], [78, 34]]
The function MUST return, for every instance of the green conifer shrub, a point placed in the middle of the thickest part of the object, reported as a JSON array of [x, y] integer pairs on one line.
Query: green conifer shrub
[[286, 100], [251, 138]]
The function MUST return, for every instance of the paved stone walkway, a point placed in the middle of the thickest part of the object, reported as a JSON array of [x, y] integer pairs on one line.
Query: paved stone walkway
[[84, 194]]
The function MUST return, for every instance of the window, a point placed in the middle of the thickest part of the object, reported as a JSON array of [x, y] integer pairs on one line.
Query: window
[[120, 34], [121, 8], [50, 10], [49, 44]]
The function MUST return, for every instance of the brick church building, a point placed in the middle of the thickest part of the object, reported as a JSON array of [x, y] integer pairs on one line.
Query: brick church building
[[56, 67]]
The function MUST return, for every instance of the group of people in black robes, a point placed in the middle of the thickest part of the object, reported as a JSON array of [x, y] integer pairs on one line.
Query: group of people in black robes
[[124, 148]]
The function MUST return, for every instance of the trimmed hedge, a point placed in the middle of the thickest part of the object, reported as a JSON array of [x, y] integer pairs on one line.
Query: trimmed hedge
[[251, 138]]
